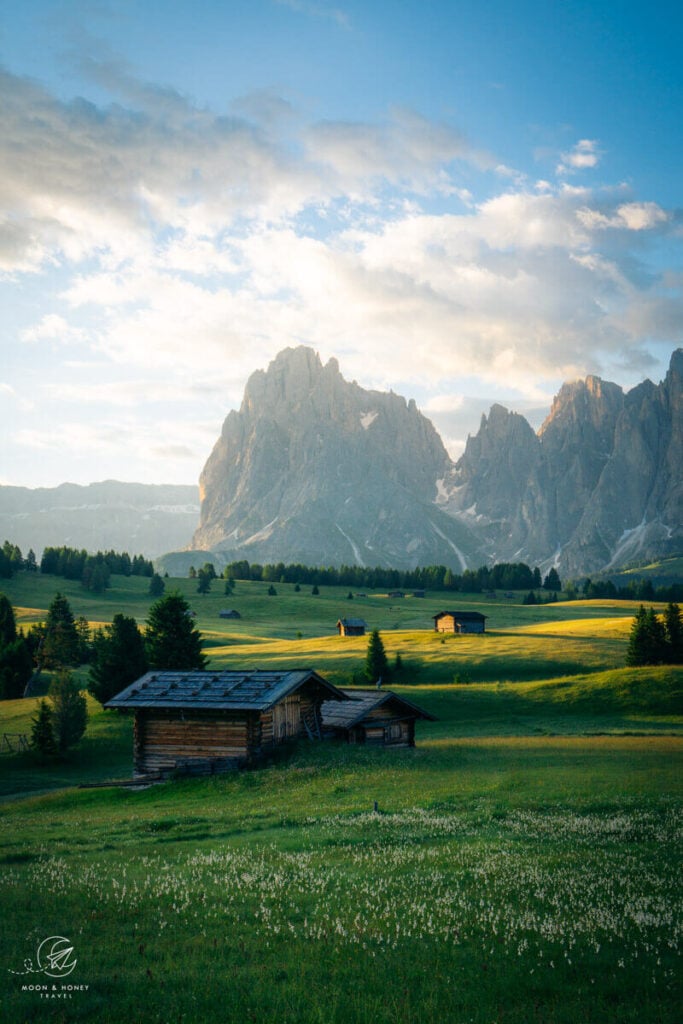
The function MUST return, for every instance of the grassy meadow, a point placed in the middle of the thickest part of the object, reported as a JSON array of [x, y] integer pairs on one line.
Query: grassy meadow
[[523, 865]]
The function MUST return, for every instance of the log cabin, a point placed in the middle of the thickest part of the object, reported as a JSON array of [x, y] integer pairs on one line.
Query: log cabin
[[207, 722], [351, 627], [460, 622], [377, 717]]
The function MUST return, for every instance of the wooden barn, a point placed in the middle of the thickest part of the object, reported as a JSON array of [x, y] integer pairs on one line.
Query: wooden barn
[[229, 613], [206, 722], [460, 622], [378, 717], [351, 627]]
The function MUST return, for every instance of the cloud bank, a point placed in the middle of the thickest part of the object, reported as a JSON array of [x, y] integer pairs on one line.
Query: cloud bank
[[193, 243]]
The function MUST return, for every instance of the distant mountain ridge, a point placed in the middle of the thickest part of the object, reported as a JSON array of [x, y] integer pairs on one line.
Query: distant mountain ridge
[[147, 519], [315, 469]]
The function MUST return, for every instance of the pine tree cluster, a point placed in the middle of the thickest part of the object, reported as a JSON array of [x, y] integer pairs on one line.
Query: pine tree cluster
[[16, 663], [655, 640]]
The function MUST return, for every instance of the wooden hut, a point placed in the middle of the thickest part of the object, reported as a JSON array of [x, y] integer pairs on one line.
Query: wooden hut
[[460, 622], [229, 613], [206, 722], [351, 627], [378, 717]]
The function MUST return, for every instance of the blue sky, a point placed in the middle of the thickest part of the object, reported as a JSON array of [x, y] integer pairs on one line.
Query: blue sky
[[465, 202]]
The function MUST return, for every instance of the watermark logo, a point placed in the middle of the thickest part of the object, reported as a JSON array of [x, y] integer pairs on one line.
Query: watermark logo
[[54, 957]]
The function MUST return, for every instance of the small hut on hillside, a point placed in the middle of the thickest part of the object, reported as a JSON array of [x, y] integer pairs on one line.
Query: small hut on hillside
[[378, 717], [351, 627], [229, 613], [460, 622], [206, 722]]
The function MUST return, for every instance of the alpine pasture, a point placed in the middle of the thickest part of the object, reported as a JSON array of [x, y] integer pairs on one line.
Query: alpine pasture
[[523, 863]]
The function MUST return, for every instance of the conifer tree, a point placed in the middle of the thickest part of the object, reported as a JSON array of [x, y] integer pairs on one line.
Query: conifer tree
[[171, 640], [8, 625], [673, 628], [69, 711], [156, 585], [552, 581], [647, 643], [42, 729], [119, 658], [636, 653], [16, 663], [61, 646], [376, 664], [16, 668], [203, 582]]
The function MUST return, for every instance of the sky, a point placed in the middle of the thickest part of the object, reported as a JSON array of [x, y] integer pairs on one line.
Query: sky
[[466, 202]]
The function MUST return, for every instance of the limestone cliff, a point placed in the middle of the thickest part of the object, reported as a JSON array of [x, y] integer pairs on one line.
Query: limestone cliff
[[315, 469]]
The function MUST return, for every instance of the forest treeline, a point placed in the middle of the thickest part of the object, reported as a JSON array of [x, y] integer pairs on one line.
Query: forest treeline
[[93, 571], [504, 576]]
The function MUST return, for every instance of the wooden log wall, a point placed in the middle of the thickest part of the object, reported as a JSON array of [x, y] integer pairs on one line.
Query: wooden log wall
[[165, 740]]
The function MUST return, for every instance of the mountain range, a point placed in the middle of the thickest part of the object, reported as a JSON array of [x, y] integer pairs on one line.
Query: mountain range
[[315, 469], [318, 470], [144, 519]]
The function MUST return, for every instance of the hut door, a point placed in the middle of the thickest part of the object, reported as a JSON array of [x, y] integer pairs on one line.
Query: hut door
[[287, 718]]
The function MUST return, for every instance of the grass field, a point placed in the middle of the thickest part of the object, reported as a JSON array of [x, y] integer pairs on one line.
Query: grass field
[[523, 866]]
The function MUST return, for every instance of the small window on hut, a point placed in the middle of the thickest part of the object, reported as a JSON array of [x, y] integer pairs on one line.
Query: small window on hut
[[395, 731]]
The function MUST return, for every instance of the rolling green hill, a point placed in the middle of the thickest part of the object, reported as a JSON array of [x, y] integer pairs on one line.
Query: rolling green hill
[[523, 863]]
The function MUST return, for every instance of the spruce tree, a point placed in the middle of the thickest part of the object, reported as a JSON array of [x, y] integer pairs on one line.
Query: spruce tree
[[156, 585], [171, 640], [119, 658], [16, 668], [655, 638], [42, 730], [673, 628], [69, 711], [203, 582], [636, 653], [552, 581], [648, 640], [376, 664], [16, 663], [61, 646], [8, 625]]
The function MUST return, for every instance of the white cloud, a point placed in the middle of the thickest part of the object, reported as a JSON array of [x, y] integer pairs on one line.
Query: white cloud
[[194, 243], [632, 216], [53, 327], [584, 156]]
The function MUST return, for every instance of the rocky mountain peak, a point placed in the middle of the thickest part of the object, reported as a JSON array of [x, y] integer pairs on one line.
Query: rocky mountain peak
[[315, 468], [289, 380], [675, 373], [592, 400]]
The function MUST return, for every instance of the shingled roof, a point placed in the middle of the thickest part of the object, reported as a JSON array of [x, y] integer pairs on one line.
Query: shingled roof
[[345, 715], [257, 690], [463, 616]]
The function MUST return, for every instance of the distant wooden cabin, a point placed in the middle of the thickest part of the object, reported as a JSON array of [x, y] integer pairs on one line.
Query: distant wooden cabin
[[460, 622], [351, 627], [396, 593], [206, 722], [378, 717], [418, 593], [229, 613]]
